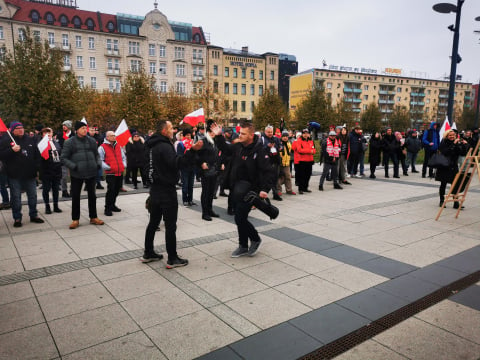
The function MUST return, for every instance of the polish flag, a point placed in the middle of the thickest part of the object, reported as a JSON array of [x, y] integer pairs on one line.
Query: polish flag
[[3, 128], [122, 133], [194, 117], [44, 146], [445, 127]]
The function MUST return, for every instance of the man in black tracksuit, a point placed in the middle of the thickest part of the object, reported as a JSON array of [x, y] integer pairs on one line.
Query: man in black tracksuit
[[249, 170], [163, 175]]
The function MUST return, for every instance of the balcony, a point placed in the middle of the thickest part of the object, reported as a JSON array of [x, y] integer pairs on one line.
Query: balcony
[[347, 90], [443, 96], [417, 94], [197, 78], [112, 52], [467, 97], [61, 46], [113, 72], [357, 91], [357, 110], [197, 61], [352, 100], [419, 103], [354, 90], [391, 102], [388, 111], [442, 104], [67, 67]]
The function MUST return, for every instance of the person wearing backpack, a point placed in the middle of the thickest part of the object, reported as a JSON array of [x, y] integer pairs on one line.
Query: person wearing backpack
[[431, 142]]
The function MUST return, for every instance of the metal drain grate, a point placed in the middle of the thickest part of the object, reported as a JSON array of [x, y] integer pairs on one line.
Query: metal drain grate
[[355, 338]]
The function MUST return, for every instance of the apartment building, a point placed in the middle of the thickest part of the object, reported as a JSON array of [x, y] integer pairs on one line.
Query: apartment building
[[426, 99]]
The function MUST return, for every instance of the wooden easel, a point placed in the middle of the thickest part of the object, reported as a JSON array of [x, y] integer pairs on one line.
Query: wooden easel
[[459, 189]]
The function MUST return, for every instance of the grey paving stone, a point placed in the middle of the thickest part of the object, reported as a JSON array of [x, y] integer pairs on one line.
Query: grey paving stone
[[439, 275], [386, 267], [469, 297], [348, 254], [372, 303], [224, 353], [314, 243], [285, 234], [466, 261], [408, 287], [279, 342], [329, 323]]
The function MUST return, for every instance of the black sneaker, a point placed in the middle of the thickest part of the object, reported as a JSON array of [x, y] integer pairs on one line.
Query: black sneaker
[[100, 186], [36, 220], [177, 262], [65, 194], [108, 213], [17, 223], [116, 209], [149, 257], [254, 247], [240, 251]]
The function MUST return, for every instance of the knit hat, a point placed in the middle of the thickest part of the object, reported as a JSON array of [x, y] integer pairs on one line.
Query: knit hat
[[39, 127], [14, 125], [332, 133], [67, 123], [79, 124], [284, 133], [305, 131]]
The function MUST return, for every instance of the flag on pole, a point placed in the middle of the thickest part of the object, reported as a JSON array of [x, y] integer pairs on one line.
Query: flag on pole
[[194, 117], [3, 128], [44, 146], [445, 127], [122, 133], [454, 126]]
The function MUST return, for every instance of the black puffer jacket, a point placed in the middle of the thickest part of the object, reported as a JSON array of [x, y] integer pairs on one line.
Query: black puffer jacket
[[24, 163], [80, 155], [135, 151], [452, 151]]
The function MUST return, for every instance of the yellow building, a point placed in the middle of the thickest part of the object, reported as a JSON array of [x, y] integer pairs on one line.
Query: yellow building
[[426, 99]]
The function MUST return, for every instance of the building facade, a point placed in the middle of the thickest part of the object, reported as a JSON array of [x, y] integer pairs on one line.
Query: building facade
[[425, 99]]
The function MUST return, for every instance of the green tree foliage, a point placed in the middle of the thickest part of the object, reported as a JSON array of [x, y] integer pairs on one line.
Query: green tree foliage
[[316, 107], [138, 101], [98, 108], [371, 119], [467, 120], [343, 114], [176, 106], [400, 119], [33, 86], [270, 110]]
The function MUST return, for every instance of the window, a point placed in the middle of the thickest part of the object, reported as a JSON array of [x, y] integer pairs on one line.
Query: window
[[66, 60], [78, 41], [91, 42], [252, 106], [135, 65], [63, 20], [365, 107], [93, 63], [260, 74], [163, 51], [235, 89], [21, 35], [399, 89], [65, 40], [118, 85], [1, 32], [252, 89], [180, 70], [151, 49], [93, 82], [77, 23], [162, 69], [153, 67], [329, 85], [215, 87], [235, 72], [235, 106], [110, 84], [226, 88], [260, 90], [50, 18], [134, 48], [90, 24], [36, 35], [180, 87], [272, 75], [80, 62], [109, 64], [215, 70], [179, 52], [244, 89], [252, 74], [2, 54], [226, 105], [399, 98], [163, 86], [365, 87], [117, 64], [81, 81], [35, 16], [227, 71], [244, 73], [51, 38], [243, 106], [110, 27], [365, 97], [428, 101]]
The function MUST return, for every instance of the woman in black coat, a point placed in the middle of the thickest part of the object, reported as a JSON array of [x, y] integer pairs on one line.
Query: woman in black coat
[[375, 154], [452, 147], [135, 151], [51, 173]]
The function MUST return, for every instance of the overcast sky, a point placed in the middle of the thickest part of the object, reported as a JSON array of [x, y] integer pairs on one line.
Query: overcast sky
[[375, 34]]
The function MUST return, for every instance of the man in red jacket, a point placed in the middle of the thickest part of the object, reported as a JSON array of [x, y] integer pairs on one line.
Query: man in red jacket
[[113, 163]]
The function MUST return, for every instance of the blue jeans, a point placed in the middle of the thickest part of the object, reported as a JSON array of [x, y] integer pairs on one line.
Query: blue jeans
[[3, 189], [30, 187], [188, 178], [411, 160]]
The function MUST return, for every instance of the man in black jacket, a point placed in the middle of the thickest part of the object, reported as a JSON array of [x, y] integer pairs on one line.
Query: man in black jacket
[[22, 160], [250, 170], [162, 171]]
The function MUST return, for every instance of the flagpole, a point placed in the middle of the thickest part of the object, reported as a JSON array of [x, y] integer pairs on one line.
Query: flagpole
[[11, 137]]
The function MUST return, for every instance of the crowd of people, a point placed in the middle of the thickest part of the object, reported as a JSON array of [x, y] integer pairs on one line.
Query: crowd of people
[[227, 162]]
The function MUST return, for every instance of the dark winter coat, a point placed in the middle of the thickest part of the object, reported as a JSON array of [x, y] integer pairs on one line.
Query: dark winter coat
[[24, 163], [52, 167], [391, 145], [208, 154], [356, 145], [80, 155], [374, 156], [452, 151], [135, 151], [431, 136], [413, 144]]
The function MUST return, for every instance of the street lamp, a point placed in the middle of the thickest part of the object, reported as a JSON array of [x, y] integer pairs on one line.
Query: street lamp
[[478, 91], [446, 8]]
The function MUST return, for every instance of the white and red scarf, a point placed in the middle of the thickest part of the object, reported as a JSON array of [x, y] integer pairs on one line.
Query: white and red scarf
[[333, 149]]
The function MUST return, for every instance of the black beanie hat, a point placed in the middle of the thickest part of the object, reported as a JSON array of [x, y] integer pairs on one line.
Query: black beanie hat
[[79, 124]]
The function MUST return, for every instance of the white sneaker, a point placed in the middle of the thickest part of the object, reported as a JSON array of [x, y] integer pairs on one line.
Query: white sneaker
[[349, 176]]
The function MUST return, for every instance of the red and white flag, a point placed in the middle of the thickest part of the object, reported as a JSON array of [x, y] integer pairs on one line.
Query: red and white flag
[[85, 122], [194, 118], [44, 146], [3, 128], [445, 127], [122, 133]]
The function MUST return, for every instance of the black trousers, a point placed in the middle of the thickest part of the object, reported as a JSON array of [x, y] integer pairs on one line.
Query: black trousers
[[245, 228], [134, 173], [114, 183], [303, 174], [50, 184], [208, 191], [428, 155], [169, 215], [76, 189], [326, 169]]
